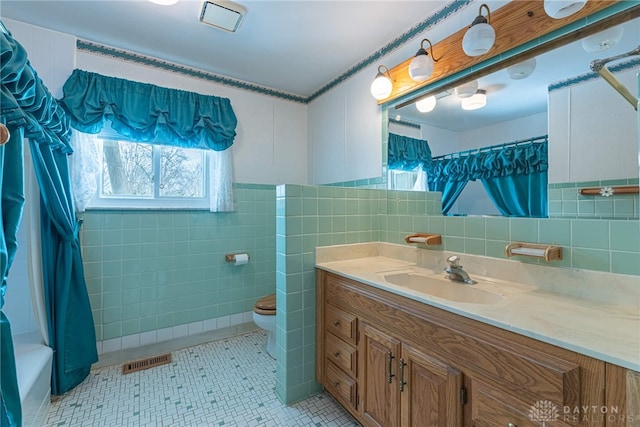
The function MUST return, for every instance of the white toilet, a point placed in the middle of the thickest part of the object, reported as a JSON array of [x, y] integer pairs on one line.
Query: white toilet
[[264, 315]]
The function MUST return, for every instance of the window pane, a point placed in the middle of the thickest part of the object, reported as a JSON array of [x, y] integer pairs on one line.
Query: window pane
[[181, 172], [126, 169]]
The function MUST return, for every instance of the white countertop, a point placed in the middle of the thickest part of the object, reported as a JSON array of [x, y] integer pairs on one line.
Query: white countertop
[[597, 315]]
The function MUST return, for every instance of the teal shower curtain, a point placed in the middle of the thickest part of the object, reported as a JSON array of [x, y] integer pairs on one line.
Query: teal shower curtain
[[71, 327], [27, 106], [11, 204]]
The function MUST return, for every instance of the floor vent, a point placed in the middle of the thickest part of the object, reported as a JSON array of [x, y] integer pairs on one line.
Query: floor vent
[[151, 362]]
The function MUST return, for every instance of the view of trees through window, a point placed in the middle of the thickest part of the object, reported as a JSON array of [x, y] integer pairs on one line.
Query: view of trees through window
[[129, 170]]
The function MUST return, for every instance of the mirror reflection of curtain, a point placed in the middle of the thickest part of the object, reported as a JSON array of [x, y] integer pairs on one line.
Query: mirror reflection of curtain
[[514, 175]]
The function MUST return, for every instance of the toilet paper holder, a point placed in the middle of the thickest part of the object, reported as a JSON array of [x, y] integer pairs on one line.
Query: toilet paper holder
[[232, 257]]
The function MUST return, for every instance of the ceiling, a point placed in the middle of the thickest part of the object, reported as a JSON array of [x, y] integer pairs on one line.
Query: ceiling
[[298, 46], [294, 46]]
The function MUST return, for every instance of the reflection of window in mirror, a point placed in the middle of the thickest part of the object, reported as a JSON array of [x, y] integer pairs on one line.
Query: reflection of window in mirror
[[398, 179]]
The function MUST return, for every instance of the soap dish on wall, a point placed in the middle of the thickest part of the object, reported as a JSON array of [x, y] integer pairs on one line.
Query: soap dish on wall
[[546, 252], [424, 238]]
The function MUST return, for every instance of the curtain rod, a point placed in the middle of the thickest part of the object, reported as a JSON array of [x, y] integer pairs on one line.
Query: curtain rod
[[535, 140]]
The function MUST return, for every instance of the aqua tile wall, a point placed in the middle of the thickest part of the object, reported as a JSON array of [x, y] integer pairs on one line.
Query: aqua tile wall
[[565, 201], [149, 270], [307, 217], [321, 216]]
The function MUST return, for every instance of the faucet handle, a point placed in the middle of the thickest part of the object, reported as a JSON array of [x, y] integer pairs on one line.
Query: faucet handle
[[454, 261]]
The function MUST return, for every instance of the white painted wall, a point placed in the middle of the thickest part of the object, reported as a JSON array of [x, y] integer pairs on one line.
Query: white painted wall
[[504, 132], [592, 132], [345, 134]]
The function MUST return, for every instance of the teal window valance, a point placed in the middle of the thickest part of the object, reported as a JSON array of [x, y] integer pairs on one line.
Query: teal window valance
[[406, 153], [148, 113]]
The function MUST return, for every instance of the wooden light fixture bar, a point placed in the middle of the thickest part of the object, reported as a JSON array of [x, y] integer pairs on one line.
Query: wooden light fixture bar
[[516, 23]]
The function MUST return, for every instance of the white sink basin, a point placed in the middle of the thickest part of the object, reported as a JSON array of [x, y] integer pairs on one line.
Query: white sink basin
[[439, 286]]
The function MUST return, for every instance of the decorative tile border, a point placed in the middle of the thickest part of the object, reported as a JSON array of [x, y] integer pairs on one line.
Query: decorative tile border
[[437, 17], [404, 123], [582, 78], [147, 61]]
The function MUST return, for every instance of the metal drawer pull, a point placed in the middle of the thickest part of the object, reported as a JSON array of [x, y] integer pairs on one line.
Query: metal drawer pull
[[337, 383], [389, 361], [511, 425], [336, 354], [336, 323], [401, 366]]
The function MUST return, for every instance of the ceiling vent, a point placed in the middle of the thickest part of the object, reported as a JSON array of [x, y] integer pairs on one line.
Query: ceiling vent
[[222, 14]]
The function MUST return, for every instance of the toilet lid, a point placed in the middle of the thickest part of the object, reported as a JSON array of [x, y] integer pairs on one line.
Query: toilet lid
[[266, 305]]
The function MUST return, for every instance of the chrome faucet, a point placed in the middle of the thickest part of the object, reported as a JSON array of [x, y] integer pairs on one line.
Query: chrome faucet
[[455, 271]]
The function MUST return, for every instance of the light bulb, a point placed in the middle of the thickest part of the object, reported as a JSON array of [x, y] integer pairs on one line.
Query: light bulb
[[603, 40], [522, 70], [381, 87], [466, 90], [559, 9], [421, 66], [478, 100], [478, 39], [427, 104]]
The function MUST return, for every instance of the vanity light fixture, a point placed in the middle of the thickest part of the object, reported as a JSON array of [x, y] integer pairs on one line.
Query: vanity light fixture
[[558, 9], [603, 40], [480, 36], [382, 85], [421, 66], [478, 100], [466, 90], [427, 104], [522, 70]]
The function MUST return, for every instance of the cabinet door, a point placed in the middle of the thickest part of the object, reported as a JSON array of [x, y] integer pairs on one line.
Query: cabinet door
[[430, 391], [380, 395]]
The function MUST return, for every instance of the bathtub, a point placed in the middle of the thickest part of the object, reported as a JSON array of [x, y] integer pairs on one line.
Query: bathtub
[[33, 365]]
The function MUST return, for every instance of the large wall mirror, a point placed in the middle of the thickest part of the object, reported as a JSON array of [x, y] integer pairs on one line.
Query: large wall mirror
[[592, 130]]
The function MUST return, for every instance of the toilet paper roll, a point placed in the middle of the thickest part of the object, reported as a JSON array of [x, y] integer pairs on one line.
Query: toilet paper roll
[[240, 259]]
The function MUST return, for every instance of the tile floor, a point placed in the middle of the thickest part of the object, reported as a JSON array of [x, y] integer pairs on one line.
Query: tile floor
[[229, 382]]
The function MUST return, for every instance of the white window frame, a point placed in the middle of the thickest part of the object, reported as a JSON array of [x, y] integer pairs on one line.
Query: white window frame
[[156, 202]]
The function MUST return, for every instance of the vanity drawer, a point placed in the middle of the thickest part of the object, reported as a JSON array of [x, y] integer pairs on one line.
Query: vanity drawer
[[492, 408], [341, 353], [340, 385], [340, 323], [527, 371]]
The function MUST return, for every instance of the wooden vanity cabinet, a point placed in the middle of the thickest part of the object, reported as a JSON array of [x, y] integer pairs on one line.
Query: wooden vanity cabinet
[[411, 364], [622, 397]]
